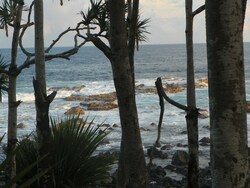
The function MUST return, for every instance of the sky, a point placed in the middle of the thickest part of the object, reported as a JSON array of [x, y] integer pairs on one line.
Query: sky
[[167, 25]]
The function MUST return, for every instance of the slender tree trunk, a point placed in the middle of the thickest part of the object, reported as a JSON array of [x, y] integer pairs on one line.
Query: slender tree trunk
[[41, 99], [13, 104], [132, 23], [229, 156], [192, 113], [132, 170]]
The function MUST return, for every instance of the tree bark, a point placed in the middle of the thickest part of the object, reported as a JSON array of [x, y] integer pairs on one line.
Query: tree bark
[[192, 112], [132, 170], [227, 100], [132, 23], [12, 103], [42, 101]]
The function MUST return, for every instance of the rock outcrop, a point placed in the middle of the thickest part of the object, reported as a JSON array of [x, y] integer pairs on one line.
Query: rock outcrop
[[77, 110]]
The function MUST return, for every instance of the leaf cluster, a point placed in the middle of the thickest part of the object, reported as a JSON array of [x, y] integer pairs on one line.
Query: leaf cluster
[[72, 153], [98, 15], [3, 77], [7, 14]]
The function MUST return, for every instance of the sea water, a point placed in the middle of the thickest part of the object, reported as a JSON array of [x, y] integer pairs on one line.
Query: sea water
[[89, 67]]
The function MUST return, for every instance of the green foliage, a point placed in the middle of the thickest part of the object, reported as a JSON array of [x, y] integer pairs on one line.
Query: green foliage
[[142, 29], [98, 15], [8, 11], [73, 144], [25, 182], [3, 76], [72, 148], [7, 14]]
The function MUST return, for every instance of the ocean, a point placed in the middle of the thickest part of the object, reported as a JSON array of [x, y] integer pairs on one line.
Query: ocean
[[89, 67]]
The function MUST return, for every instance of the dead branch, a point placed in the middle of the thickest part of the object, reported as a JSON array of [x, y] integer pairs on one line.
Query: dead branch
[[198, 10], [161, 102], [24, 28], [164, 95], [77, 29]]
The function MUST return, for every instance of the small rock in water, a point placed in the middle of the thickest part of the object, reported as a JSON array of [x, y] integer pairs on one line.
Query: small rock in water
[[184, 132], [157, 153], [21, 126], [203, 113], [205, 140], [77, 110], [206, 127], [167, 147], [179, 145], [153, 124], [144, 129], [105, 125], [115, 125]]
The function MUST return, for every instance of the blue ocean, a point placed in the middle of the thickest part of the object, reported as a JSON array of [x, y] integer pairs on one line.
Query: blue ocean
[[89, 67]]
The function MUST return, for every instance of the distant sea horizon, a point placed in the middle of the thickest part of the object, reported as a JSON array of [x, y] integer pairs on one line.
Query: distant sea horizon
[[89, 67]]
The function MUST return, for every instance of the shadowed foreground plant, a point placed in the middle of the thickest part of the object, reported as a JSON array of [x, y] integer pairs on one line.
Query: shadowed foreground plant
[[73, 144], [21, 179]]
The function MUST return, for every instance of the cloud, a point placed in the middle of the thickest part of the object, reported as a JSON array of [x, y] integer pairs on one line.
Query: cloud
[[167, 21]]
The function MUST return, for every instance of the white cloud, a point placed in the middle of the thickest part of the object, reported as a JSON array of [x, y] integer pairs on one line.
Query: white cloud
[[167, 21]]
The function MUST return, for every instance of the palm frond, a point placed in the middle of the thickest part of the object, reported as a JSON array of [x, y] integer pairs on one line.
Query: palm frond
[[74, 141], [3, 77], [92, 12], [7, 14], [142, 26]]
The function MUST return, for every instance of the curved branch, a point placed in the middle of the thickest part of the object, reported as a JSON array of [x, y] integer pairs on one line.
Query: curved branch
[[24, 27], [158, 84], [199, 10], [48, 57]]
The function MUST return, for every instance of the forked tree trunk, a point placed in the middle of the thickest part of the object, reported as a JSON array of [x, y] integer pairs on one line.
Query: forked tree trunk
[[12, 103], [229, 156], [132, 170]]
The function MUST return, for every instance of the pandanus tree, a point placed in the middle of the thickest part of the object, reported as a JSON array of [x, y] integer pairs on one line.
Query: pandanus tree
[[11, 16], [116, 36]]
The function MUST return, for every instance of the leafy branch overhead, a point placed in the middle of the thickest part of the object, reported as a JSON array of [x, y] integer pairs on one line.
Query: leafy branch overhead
[[8, 13], [97, 20]]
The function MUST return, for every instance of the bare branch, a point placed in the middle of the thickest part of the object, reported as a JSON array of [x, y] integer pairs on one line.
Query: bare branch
[[198, 10], [158, 84], [24, 27], [161, 102], [48, 57]]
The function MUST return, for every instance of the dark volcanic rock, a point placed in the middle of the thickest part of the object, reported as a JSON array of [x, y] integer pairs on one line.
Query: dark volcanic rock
[[180, 158], [156, 153]]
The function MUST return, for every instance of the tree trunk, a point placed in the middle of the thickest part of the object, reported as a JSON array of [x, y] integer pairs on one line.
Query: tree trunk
[[132, 170], [132, 23], [41, 99], [192, 113], [227, 93], [12, 103]]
